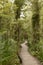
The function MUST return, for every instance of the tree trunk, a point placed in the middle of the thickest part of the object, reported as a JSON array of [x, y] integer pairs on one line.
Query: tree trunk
[[36, 22]]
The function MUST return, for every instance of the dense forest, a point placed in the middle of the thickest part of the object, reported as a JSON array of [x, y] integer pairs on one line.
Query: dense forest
[[20, 20]]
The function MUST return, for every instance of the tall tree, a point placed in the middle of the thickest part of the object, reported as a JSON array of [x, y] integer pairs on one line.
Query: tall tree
[[36, 22], [19, 4]]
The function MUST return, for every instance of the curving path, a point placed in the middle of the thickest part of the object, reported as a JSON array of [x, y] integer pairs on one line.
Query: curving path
[[27, 59]]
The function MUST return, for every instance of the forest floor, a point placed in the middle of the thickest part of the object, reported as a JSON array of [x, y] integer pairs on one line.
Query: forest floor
[[27, 58]]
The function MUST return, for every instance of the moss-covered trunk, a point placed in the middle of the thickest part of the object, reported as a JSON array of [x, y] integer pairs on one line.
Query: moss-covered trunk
[[36, 22]]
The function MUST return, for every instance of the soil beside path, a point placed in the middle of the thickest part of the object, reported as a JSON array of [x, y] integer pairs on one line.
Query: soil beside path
[[27, 58]]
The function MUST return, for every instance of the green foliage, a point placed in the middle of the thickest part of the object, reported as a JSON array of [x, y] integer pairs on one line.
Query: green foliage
[[19, 3], [8, 42], [35, 41], [15, 29], [8, 52]]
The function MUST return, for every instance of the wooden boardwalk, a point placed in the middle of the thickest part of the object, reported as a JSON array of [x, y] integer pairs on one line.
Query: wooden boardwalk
[[27, 58]]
